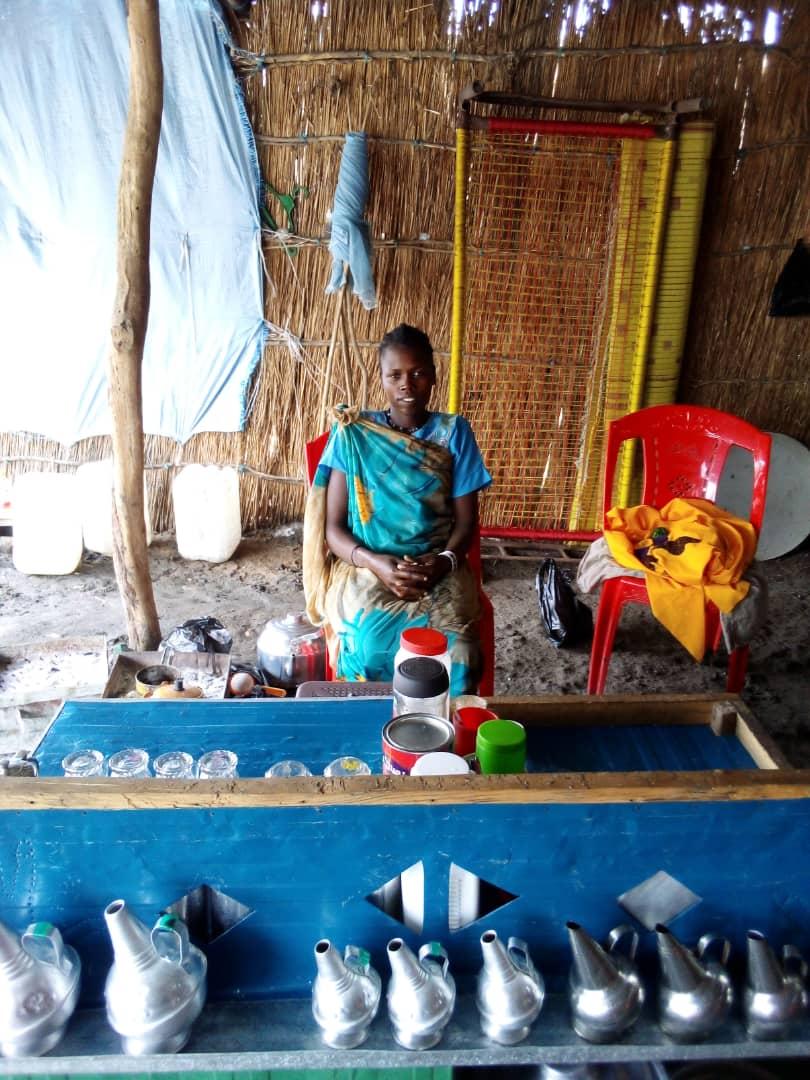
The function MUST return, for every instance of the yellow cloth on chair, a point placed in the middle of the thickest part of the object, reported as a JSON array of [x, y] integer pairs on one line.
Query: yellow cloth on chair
[[690, 551]]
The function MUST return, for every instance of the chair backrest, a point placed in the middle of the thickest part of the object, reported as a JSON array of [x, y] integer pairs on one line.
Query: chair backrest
[[685, 448], [315, 449]]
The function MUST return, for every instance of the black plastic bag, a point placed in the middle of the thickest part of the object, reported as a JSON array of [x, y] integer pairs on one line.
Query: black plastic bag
[[566, 620], [791, 293], [199, 635]]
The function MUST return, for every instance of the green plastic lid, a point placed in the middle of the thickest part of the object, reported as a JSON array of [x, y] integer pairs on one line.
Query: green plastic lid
[[502, 733]]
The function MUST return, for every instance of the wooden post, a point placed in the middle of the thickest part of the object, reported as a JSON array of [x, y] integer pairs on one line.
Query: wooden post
[[130, 317]]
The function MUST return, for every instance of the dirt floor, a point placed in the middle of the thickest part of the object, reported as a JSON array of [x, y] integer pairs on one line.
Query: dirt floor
[[263, 580]]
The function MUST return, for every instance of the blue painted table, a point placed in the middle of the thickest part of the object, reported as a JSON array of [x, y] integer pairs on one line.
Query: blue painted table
[[639, 785]]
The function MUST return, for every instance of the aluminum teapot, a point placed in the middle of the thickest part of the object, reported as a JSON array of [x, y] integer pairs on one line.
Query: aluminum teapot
[[39, 988], [604, 989], [156, 987], [509, 990], [291, 651], [775, 995], [421, 994], [345, 995], [695, 993]]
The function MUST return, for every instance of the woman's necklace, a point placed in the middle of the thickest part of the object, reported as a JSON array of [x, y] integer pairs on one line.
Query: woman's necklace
[[396, 427]]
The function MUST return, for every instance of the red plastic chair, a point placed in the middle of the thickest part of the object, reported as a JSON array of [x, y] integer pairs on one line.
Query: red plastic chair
[[684, 449], [486, 625]]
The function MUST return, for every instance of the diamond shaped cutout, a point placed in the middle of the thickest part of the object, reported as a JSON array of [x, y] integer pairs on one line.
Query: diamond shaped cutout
[[471, 898], [403, 897], [658, 899], [209, 913]]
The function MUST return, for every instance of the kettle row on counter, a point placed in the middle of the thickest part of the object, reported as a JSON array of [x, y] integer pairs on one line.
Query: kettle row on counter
[[156, 988]]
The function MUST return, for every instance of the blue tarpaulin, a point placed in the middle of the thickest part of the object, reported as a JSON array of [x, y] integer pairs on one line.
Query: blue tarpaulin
[[63, 104]]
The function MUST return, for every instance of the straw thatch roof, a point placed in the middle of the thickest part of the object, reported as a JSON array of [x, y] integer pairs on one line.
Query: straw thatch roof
[[317, 70]]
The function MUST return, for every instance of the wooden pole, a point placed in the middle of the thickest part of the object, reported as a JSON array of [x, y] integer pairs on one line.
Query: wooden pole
[[130, 316]]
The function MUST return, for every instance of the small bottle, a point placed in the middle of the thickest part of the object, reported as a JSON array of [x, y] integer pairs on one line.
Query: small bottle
[[422, 685], [424, 641]]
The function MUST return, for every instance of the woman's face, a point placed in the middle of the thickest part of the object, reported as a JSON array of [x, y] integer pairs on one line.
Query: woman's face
[[408, 382]]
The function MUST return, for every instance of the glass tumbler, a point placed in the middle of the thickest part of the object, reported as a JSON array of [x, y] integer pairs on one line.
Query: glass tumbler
[[83, 763], [131, 764], [174, 765], [218, 765], [288, 768]]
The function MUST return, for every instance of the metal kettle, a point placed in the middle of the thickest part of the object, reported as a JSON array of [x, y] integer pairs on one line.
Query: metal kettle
[[509, 990], [775, 994], [695, 994], [39, 988], [345, 995], [156, 987], [421, 994], [604, 989], [291, 651]]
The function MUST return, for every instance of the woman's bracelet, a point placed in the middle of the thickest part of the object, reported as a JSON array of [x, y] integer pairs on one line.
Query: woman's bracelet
[[351, 557], [451, 555]]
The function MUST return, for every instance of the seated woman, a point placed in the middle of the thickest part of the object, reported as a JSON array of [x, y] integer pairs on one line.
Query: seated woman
[[391, 515]]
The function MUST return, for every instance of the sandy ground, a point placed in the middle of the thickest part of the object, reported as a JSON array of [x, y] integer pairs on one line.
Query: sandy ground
[[263, 580]]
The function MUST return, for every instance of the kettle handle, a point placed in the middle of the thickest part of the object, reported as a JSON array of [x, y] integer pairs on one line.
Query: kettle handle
[[43, 943], [170, 939], [435, 953], [791, 957], [709, 940], [519, 953], [357, 958], [616, 935]]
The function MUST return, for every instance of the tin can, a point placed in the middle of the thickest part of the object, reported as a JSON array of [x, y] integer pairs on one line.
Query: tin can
[[406, 738]]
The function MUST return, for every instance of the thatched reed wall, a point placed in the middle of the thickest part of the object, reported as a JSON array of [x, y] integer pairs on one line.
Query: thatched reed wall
[[395, 69]]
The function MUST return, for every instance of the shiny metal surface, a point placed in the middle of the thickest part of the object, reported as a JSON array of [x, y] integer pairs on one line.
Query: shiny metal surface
[[156, 986], [775, 995], [694, 994], [39, 988], [421, 994], [291, 651], [345, 995], [604, 989], [509, 990], [239, 1036]]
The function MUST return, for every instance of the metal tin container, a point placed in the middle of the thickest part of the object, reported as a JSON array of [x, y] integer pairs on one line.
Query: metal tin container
[[406, 738]]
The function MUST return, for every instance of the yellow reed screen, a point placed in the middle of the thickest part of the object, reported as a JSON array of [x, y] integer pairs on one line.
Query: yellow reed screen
[[558, 243]]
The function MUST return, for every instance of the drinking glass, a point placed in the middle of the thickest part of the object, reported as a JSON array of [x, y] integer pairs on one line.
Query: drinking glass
[[132, 764], [218, 765], [288, 768], [174, 765], [347, 766], [83, 763]]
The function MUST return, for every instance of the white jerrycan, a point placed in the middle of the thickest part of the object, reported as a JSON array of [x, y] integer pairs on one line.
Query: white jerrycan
[[207, 517]]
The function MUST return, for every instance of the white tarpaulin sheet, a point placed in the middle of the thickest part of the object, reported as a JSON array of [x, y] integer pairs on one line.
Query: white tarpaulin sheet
[[64, 70]]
